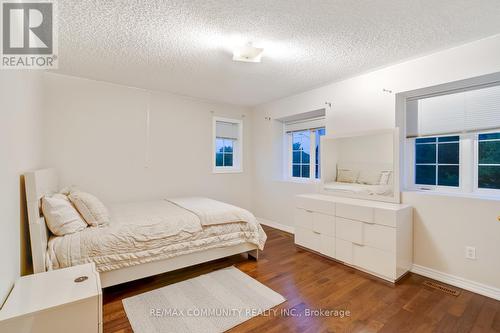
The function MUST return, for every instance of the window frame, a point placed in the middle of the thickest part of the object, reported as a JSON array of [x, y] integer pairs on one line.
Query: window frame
[[237, 166], [427, 187], [312, 157], [476, 188], [224, 153], [468, 167]]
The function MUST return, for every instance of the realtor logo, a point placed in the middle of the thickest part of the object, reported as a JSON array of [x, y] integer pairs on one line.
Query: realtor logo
[[28, 39]]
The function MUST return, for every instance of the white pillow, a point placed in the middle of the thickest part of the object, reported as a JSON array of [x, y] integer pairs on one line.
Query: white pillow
[[369, 177], [92, 209], [384, 177], [60, 215], [346, 176]]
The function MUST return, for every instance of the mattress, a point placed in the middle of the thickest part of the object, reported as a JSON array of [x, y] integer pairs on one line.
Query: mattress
[[146, 232], [359, 189]]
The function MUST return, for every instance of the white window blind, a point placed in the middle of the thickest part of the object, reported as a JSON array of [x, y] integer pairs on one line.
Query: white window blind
[[306, 124], [227, 130], [465, 111], [482, 109]]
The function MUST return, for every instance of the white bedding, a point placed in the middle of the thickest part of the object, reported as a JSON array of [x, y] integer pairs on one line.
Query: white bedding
[[212, 212], [355, 188], [146, 232]]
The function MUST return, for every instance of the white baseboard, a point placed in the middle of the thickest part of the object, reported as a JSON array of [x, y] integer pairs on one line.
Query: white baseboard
[[457, 281], [276, 225]]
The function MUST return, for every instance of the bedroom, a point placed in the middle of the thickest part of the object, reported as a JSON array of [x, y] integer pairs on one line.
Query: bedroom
[[147, 104]]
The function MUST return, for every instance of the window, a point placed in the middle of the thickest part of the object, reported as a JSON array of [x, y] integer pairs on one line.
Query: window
[[224, 152], [301, 142], [488, 163], [301, 152], [453, 141], [227, 145], [305, 153], [437, 161]]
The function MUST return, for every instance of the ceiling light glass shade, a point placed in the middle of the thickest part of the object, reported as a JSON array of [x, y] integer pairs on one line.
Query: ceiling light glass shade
[[248, 53]]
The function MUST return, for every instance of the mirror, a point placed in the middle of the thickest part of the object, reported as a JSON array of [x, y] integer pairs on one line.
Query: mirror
[[361, 165]]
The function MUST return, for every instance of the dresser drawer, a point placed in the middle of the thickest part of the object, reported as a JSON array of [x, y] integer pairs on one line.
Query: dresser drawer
[[349, 230], [327, 244], [324, 224], [308, 239], [380, 237], [303, 219], [385, 217], [374, 260], [353, 212], [343, 250], [314, 205]]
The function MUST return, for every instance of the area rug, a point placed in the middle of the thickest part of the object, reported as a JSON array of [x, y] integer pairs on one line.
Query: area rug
[[214, 302]]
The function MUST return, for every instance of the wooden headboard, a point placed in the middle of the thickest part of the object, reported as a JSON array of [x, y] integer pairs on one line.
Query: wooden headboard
[[39, 183]]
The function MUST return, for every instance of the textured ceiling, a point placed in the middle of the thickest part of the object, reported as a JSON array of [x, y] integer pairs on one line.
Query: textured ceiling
[[184, 46]]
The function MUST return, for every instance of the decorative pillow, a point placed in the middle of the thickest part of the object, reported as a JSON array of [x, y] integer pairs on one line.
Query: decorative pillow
[[92, 209], [60, 215], [346, 176], [385, 176], [369, 177]]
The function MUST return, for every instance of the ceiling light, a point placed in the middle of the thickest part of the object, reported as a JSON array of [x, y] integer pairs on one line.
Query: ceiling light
[[232, 44], [248, 53]]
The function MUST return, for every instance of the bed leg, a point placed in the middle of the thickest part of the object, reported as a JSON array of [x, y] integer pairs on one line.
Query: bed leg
[[253, 254]]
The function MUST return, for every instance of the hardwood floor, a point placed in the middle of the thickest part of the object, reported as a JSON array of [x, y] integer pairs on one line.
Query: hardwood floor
[[309, 281]]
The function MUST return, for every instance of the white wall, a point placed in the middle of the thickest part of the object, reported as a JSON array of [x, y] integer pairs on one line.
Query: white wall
[[95, 135], [96, 138], [20, 150], [358, 104]]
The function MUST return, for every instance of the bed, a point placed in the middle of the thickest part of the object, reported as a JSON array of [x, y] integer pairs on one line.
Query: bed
[[143, 238]]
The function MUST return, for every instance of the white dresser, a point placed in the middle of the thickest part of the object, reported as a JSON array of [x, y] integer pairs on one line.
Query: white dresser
[[375, 237], [63, 300]]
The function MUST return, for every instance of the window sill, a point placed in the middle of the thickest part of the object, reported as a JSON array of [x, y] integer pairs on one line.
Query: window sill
[[216, 171], [471, 195]]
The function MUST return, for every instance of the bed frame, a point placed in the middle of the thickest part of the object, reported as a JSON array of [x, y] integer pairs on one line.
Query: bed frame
[[44, 182]]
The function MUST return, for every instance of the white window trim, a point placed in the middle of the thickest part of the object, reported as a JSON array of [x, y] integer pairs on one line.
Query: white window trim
[[288, 171], [237, 147]]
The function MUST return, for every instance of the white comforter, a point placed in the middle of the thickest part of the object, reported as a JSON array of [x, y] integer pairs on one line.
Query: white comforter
[[156, 230], [212, 212]]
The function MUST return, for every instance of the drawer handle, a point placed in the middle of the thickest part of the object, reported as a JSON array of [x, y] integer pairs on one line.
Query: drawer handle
[[358, 244], [317, 232], [81, 279], [309, 211]]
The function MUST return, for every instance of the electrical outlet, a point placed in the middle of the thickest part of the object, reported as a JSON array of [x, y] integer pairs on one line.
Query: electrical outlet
[[470, 252]]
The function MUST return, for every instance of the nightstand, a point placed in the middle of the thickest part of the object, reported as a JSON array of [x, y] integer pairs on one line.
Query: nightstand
[[63, 300]]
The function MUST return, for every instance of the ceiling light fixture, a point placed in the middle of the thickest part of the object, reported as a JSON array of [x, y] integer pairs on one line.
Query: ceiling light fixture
[[248, 53]]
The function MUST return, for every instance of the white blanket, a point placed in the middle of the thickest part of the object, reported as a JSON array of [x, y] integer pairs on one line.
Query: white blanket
[[211, 212], [154, 217]]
